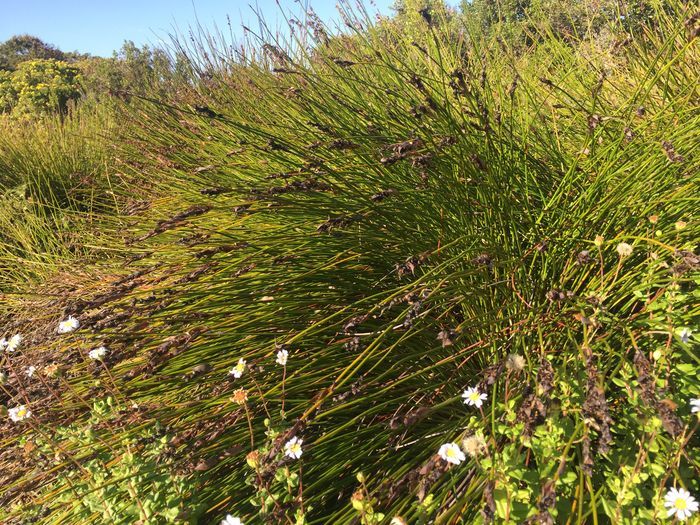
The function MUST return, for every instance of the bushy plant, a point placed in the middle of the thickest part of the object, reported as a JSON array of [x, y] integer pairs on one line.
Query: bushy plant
[[124, 482], [39, 87], [411, 276]]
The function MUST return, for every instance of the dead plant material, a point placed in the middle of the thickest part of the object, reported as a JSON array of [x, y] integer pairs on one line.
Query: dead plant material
[[686, 261], [196, 274], [382, 195], [533, 410], [411, 264], [174, 221], [595, 408], [337, 222], [225, 248], [647, 385]]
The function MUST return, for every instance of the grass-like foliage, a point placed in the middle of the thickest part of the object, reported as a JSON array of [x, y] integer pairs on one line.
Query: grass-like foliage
[[330, 239]]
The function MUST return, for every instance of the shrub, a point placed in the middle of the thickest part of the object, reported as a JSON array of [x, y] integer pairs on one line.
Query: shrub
[[39, 87]]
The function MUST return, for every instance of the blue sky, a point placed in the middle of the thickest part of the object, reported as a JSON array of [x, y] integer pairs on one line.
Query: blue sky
[[101, 26]]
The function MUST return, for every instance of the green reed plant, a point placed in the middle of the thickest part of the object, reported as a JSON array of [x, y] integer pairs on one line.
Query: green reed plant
[[56, 179], [409, 214]]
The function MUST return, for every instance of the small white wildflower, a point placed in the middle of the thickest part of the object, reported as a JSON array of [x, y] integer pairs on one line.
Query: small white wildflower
[[624, 249], [98, 353], [13, 343], [68, 325], [685, 334], [451, 453], [282, 356], [266, 298], [695, 406], [230, 520], [515, 362], [292, 448], [473, 397], [680, 503], [237, 371], [19, 413], [3, 344], [398, 520], [30, 370]]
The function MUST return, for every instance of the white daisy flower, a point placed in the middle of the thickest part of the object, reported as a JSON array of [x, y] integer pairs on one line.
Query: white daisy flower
[[685, 334], [624, 249], [230, 520], [68, 325], [680, 503], [292, 448], [13, 343], [473, 397], [282, 356], [30, 370], [237, 371], [98, 353], [451, 453], [695, 405], [19, 413]]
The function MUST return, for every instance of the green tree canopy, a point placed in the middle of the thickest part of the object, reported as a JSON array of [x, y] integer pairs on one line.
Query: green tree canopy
[[21, 48]]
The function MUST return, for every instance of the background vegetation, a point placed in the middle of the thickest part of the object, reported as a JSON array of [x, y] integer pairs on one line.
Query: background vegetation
[[501, 197]]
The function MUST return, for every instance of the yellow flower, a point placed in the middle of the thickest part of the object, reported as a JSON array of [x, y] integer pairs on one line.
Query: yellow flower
[[357, 500], [240, 396], [252, 459]]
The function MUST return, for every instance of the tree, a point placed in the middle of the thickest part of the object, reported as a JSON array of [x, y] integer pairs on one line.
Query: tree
[[131, 69], [21, 48]]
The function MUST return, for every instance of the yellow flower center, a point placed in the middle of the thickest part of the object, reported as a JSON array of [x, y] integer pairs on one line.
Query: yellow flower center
[[451, 453], [22, 412], [681, 504], [474, 396]]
